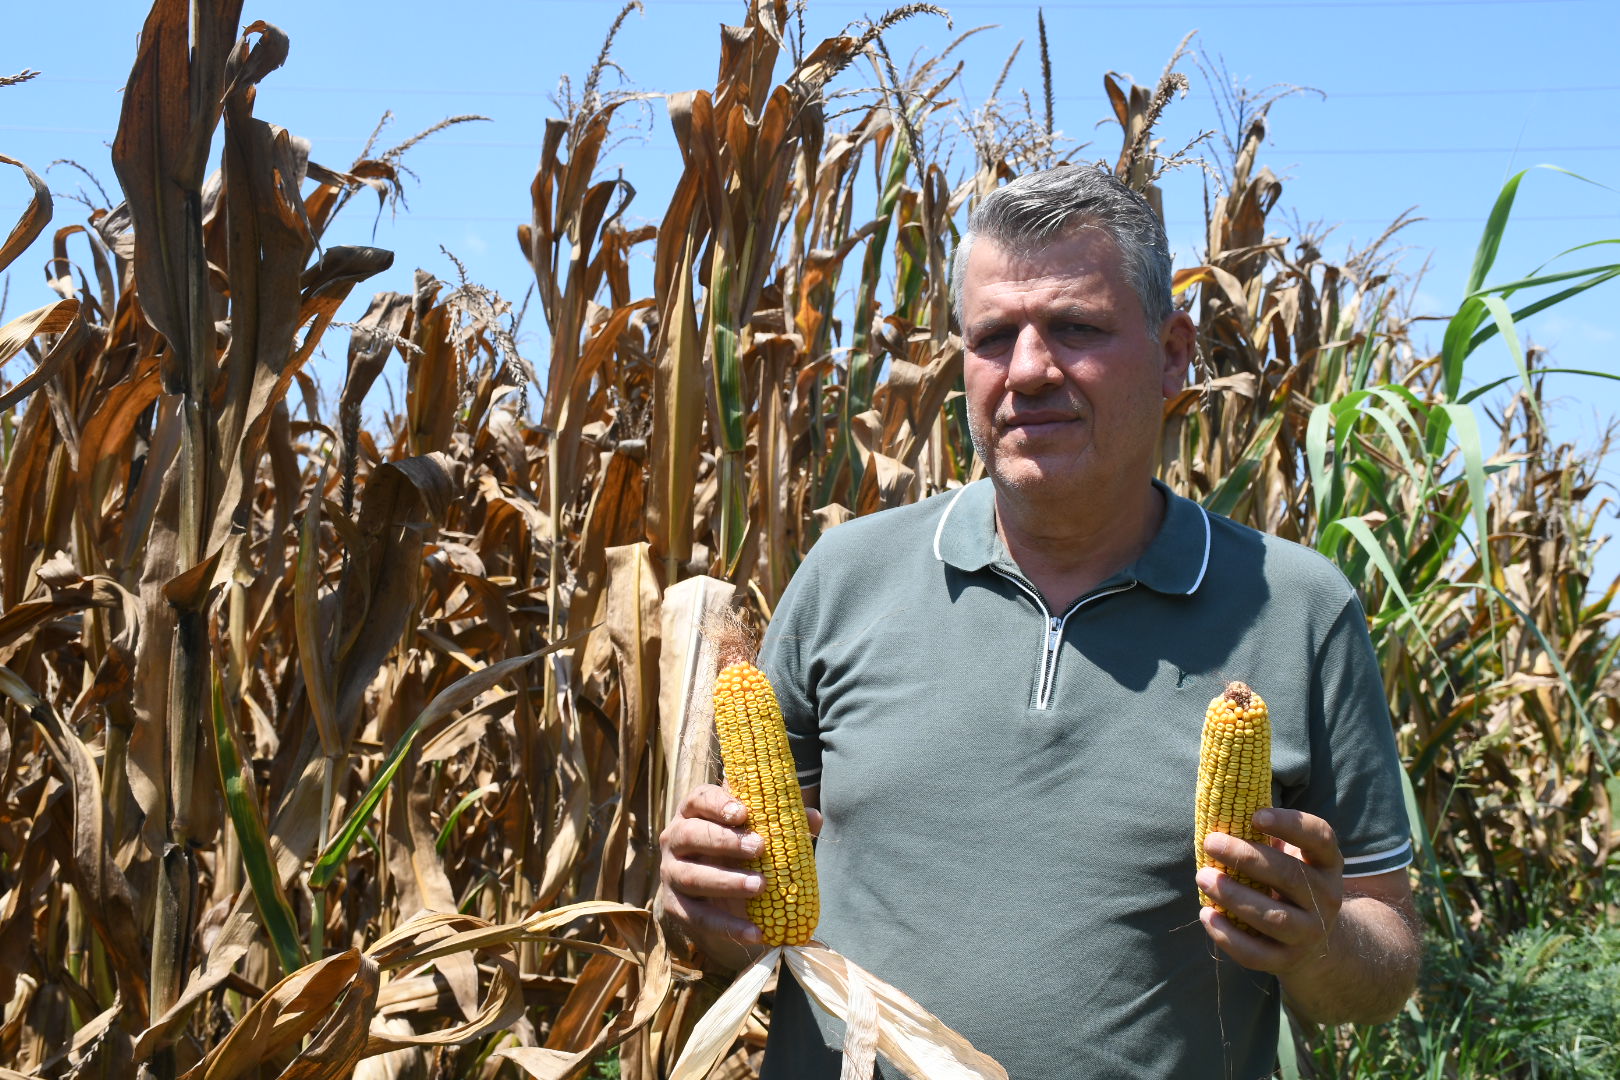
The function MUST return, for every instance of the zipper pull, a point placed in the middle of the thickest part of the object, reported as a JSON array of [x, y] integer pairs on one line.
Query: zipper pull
[[1054, 634]]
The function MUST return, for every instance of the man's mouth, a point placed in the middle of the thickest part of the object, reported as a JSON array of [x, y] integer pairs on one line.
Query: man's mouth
[[1039, 420]]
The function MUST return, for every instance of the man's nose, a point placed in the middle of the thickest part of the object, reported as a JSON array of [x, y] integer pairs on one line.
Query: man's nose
[[1032, 366]]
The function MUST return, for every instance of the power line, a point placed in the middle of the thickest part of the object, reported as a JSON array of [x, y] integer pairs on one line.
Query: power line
[[1283, 151], [57, 130], [1175, 222], [1149, 5], [516, 218], [462, 91], [1471, 91], [1440, 92]]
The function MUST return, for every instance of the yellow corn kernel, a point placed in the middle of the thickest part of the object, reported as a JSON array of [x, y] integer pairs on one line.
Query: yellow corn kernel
[[761, 775], [1234, 774]]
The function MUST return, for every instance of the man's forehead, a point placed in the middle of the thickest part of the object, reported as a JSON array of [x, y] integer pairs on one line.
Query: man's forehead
[[1081, 235], [1062, 264]]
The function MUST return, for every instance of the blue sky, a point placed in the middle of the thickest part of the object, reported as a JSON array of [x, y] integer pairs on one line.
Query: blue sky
[[1429, 104]]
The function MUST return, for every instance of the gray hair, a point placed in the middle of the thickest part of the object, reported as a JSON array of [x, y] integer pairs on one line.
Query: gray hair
[[1039, 208]]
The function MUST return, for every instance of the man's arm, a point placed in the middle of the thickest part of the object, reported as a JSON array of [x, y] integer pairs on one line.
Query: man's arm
[[1344, 951], [703, 878]]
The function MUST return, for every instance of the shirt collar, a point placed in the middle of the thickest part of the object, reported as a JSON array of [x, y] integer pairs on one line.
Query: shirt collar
[[1174, 563]]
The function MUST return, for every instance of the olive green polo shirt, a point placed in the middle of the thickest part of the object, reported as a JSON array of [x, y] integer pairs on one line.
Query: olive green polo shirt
[[1008, 789]]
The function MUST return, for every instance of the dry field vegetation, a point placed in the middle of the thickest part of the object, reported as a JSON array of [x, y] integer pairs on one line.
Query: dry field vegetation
[[399, 706]]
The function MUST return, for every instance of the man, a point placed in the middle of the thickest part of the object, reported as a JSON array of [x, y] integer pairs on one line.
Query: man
[[995, 697]]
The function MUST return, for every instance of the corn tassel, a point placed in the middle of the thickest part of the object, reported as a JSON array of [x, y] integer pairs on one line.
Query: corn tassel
[[760, 773], [1234, 775]]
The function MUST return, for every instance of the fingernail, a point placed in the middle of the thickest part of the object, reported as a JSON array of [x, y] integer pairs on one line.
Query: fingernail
[[1263, 818], [752, 844], [733, 811], [754, 883], [1207, 878]]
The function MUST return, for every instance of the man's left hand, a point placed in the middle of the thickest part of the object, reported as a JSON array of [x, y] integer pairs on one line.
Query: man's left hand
[[1342, 956], [1304, 872]]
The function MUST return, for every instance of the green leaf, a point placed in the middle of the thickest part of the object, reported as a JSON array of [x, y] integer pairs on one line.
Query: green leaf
[[1345, 414], [1316, 441], [1459, 342], [451, 698], [1473, 395], [1542, 304], [1460, 339], [728, 380], [1491, 240], [242, 804], [1428, 861], [1369, 348], [1235, 484], [1363, 535], [1392, 431], [1403, 401], [461, 808], [1510, 334], [1287, 1055], [1468, 441], [1507, 287]]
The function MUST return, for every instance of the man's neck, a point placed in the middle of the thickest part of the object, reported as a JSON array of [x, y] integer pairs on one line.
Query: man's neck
[[1066, 553]]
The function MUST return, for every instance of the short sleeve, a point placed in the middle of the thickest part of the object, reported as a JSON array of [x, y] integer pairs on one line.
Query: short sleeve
[[1355, 776], [787, 658]]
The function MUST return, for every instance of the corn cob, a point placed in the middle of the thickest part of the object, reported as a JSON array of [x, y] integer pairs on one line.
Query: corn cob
[[1234, 774], [760, 772]]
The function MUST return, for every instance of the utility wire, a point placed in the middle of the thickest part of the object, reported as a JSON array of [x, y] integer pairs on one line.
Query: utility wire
[[1149, 5], [516, 217], [1277, 151], [462, 91]]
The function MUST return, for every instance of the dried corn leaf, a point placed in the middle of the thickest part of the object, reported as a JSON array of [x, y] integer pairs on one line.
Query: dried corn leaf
[[292, 1008], [713, 1035], [34, 219], [103, 889], [171, 105], [907, 1034], [54, 318]]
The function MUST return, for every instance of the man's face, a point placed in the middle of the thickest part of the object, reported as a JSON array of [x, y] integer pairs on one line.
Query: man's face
[[1065, 382]]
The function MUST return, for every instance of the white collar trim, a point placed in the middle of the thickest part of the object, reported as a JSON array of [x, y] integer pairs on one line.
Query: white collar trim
[[939, 529], [1203, 569]]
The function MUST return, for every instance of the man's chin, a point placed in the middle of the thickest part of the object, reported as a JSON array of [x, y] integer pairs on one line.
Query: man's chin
[[1034, 475]]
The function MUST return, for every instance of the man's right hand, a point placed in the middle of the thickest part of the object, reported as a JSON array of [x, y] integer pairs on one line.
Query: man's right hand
[[703, 872]]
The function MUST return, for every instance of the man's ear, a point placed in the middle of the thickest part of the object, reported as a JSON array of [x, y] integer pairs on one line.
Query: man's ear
[[1178, 343]]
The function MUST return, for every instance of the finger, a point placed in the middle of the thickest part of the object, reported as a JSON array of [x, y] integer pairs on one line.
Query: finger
[[1279, 921], [1311, 889], [688, 838], [816, 821], [691, 877], [1252, 951], [1267, 865], [1318, 844], [713, 803], [712, 917]]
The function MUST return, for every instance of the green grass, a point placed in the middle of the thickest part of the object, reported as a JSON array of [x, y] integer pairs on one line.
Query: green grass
[[1541, 1004]]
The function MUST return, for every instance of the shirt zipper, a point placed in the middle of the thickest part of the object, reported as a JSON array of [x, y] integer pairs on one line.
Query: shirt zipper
[[1052, 637]]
